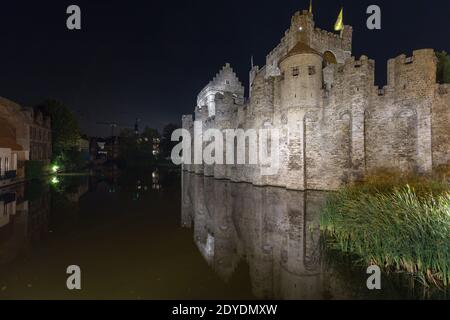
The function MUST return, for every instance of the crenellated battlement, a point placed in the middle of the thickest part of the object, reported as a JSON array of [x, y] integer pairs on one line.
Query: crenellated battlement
[[409, 77], [354, 78], [324, 38], [302, 29], [363, 61]]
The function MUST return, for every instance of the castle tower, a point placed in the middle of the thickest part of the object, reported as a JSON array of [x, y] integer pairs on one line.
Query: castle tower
[[301, 72], [302, 29], [300, 91]]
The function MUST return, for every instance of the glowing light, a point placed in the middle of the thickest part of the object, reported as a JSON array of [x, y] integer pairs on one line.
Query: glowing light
[[55, 180], [55, 168]]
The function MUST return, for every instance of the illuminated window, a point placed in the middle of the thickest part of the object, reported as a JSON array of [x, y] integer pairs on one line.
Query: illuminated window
[[295, 71]]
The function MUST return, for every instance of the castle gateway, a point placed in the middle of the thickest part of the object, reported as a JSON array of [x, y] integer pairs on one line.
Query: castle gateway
[[336, 126]]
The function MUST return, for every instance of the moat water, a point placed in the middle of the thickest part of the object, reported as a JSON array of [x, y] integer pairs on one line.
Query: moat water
[[161, 235]]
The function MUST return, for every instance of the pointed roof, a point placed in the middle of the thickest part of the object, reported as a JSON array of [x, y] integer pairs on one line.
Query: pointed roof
[[300, 48]]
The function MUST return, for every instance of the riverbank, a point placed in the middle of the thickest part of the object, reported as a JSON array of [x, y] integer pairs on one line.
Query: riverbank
[[401, 224]]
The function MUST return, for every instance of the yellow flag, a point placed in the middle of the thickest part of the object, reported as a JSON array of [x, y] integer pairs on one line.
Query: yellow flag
[[339, 25], [310, 6]]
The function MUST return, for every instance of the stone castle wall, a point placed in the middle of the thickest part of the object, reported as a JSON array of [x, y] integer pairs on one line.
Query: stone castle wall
[[440, 124], [336, 126]]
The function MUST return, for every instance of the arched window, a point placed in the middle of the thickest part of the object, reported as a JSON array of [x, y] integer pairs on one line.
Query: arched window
[[329, 58]]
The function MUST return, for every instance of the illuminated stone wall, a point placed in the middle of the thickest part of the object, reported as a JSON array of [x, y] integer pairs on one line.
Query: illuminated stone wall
[[335, 125]]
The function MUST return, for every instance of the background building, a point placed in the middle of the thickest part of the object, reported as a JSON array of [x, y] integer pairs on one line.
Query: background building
[[9, 153], [25, 134], [40, 137]]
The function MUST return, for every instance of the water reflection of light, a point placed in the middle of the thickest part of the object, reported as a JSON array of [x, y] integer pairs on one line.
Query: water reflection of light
[[155, 180], [55, 180]]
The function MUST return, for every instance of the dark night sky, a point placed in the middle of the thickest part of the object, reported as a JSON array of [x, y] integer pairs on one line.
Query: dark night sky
[[149, 59]]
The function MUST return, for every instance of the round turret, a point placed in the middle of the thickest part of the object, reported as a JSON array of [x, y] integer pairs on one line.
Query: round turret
[[301, 71]]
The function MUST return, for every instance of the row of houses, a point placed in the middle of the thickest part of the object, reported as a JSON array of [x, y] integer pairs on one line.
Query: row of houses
[[102, 150], [25, 134]]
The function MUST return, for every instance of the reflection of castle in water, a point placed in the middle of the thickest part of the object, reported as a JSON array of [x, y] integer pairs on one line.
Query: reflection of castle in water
[[275, 230]]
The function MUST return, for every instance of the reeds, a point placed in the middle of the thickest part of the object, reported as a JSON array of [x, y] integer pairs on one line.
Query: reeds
[[396, 224]]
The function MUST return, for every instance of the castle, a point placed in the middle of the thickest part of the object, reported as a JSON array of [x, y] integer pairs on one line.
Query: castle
[[336, 126]]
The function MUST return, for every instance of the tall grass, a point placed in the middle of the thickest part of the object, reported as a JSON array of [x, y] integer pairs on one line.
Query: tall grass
[[396, 223]]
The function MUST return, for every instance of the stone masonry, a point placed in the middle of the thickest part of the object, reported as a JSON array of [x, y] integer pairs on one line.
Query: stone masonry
[[336, 126]]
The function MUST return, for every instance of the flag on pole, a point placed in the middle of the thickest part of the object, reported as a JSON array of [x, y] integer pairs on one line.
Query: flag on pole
[[339, 25]]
